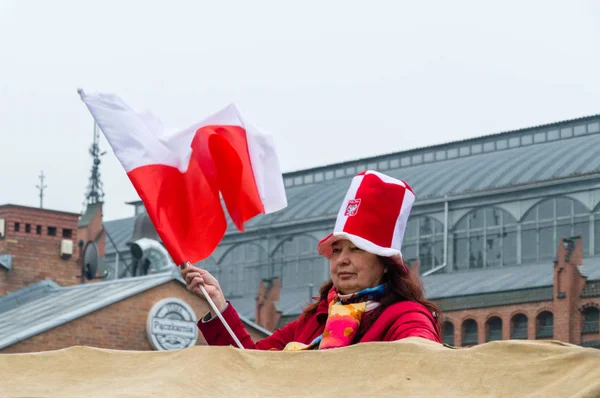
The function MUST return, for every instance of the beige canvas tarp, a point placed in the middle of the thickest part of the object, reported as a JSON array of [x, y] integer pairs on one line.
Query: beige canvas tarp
[[409, 368]]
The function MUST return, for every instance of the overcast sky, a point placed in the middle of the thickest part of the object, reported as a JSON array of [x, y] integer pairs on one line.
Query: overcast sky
[[332, 80]]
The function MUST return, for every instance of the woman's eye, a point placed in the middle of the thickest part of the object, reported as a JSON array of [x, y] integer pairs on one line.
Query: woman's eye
[[336, 249], [354, 249]]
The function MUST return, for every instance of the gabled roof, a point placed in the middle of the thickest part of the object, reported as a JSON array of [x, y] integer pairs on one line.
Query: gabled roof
[[45, 305]]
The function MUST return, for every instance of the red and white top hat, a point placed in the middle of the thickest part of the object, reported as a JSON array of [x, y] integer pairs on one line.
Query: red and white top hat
[[373, 216]]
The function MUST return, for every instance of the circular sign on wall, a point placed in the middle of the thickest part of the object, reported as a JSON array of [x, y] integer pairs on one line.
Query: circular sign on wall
[[171, 325]]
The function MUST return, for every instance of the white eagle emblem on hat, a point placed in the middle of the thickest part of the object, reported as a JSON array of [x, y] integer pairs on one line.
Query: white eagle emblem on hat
[[352, 207]]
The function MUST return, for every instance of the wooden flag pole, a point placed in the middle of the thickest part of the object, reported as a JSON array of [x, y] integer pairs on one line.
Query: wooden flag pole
[[216, 310]]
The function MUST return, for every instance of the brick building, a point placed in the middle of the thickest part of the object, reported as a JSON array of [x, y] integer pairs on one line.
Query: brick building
[[46, 304], [33, 238]]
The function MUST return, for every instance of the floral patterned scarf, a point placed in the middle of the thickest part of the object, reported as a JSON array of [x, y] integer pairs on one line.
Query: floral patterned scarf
[[343, 319]]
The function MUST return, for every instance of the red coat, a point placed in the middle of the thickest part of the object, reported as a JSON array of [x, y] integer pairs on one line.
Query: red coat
[[398, 321]]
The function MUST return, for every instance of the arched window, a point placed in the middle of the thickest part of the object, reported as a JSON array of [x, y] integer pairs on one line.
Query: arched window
[[591, 320], [547, 223], [240, 268], [493, 328], [448, 333], [297, 263], [424, 239], [469, 332], [544, 328], [485, 238], [518, 328]]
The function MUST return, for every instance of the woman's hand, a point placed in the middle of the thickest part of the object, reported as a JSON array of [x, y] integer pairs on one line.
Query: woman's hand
[[195, 277]]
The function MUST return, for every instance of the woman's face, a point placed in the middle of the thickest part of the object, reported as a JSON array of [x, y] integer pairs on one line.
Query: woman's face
[[353, 269]]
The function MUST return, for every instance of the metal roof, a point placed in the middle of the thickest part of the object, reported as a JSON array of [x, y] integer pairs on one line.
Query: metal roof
[[45, 305], [502, 279], [517, 278], [516, 167]]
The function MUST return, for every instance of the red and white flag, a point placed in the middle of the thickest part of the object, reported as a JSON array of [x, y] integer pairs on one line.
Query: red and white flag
[[180, 175]]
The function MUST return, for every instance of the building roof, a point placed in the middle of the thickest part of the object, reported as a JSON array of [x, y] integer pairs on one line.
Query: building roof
[[552, 153], [518, 167], [45, 305]]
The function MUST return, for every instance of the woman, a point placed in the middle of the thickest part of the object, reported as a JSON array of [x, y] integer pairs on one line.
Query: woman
[[371, 296]]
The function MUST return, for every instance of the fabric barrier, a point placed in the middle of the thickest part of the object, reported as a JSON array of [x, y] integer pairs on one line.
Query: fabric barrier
[[407, 368]]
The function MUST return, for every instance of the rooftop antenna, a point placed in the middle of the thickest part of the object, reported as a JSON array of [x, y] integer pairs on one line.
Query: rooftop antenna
[[41, 188], [95, 193]]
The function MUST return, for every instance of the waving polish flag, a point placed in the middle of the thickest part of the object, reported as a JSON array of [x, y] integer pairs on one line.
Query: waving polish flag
[[181, 174]]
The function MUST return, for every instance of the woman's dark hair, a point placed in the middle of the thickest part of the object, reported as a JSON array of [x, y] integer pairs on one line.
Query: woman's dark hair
[[401, 286]]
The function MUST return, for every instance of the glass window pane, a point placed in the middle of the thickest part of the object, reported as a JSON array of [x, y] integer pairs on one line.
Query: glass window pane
[[475, 252], [384, 165], [546, 210], [579, 208], [308, 179], [501, 144], [552, 135], [409, 251], [339, 173], [563, 231], [350, 171], [452, 153], [488, 147], [361, 168], [429, 157], [580, 130], [597, 235], [417, 159], [476, 219], [476, 148], [514, 142], [298, 180], [411, 228], [394, 163], [465, 151], [531, 215], [460, 251], [438, 251], [509, 247], [492, 217], [289, 182], [526, 140], [493, 247], [329, 175], [594, 128], [547, 244], [583, 229], [405, 162], [528, 246], [440, 155], [463, 225], [425, 256], [318, 176], [372, 166], [566, 133], [564, 207], [425, 226], [539, 137]]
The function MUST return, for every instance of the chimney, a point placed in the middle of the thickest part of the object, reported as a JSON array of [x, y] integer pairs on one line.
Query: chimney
[[568, 285], [266, 312]]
